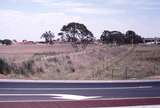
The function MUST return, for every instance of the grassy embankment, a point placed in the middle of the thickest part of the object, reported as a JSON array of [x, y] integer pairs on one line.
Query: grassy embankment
[[62, 62]]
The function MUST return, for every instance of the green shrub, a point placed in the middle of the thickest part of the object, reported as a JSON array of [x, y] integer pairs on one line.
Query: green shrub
[[7, 42], [5, 68], [27, 67]]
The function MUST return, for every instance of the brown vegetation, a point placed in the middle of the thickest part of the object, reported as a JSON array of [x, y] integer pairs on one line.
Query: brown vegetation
[[62, 62]]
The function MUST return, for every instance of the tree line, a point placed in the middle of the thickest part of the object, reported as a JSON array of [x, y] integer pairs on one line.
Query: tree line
[[6, 42], [130, 37], [77, 33]]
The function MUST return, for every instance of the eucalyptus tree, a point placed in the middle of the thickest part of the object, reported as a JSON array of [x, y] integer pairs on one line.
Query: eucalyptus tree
[[48, 36], [77, 34]]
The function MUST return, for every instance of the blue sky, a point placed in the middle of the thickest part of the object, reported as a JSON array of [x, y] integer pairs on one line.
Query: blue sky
[[28, 19]]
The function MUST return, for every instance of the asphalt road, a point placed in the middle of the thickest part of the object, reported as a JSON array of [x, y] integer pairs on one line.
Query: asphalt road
[[71, 90], [78, 94]]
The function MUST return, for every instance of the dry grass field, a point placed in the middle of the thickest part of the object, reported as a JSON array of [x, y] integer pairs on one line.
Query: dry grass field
[[96, 62]]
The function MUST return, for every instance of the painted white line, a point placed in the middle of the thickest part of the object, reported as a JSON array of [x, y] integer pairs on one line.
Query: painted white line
[[128, 98], [50, 100], [103, 88], [27, 95], [76, 81], [57, 96], [147, 106], [61, 95], [75, 97]]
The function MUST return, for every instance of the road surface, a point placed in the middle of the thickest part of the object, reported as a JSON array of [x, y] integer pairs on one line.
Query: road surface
[[98, 94]]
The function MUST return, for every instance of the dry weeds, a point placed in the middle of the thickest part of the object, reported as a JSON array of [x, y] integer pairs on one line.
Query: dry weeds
[[96, 62]]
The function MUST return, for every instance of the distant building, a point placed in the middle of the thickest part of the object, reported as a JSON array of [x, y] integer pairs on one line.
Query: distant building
[[151, 40], [14, 41], [25, 42]]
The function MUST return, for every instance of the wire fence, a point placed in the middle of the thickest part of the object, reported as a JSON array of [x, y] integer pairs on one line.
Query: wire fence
[[126, 72], [135, 73]]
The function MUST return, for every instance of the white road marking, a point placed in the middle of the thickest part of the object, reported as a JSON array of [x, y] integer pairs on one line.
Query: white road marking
[[75, 97], [27, 94], [102, 88], [67, 95], [77, 81], [146, 106], [50, 100], [57, 96]]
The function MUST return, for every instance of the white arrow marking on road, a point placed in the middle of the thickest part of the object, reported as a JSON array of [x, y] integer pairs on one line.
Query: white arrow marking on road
[[74, 97], [57, 96]]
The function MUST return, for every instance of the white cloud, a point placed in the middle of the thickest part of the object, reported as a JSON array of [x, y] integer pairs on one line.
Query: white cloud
[[69, 4], [77, 6], [40, 1], [59, 3], [32, 1], [19, 25], [111, 15], [96, 11]]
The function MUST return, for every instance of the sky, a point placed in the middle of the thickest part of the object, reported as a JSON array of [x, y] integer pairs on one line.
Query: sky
[[28, 19]]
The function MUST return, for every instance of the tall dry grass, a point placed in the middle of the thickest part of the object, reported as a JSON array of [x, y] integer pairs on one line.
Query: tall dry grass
[[96, 62]]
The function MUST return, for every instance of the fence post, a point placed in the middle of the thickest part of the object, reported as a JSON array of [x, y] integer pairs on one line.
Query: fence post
[[154, 71], [112, 74], [93, 73], [103, 65], [126, 73]]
